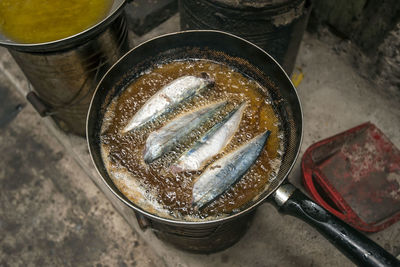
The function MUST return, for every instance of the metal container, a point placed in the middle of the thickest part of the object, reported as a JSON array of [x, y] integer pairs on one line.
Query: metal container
[[64, 73], [201, 238], [277, 26]]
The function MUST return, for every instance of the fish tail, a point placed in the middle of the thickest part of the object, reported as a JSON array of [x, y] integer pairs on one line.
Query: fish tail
[[207, 77], [175, 169]]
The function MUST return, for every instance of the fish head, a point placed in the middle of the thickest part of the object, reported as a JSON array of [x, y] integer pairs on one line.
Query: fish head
[[151, 153]]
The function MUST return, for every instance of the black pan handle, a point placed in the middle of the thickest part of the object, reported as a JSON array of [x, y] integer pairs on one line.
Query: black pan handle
[[356, 246]]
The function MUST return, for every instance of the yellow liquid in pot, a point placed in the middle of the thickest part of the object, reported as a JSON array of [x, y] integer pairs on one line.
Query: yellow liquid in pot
[[39, 21]]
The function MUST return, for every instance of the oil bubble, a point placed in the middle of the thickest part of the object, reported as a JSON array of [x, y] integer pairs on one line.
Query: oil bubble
[[153, 186]]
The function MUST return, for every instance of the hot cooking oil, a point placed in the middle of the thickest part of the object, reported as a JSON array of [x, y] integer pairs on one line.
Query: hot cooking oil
[[152, 186], [39, 21]]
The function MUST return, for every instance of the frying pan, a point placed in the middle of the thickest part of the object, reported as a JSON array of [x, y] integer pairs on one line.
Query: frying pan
[[256, 63]]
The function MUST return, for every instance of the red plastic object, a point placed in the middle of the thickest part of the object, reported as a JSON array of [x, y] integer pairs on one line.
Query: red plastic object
[[356, 176]]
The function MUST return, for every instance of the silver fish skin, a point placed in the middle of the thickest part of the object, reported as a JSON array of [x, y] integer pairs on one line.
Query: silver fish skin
[[167, 98], [211, 143], [222, 174], [163, 140]]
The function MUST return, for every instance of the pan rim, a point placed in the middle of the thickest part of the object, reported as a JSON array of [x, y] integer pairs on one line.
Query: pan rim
[[219, 220]]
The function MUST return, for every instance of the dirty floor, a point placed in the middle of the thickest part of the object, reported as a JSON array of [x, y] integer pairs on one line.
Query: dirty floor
[[51, 213], [56, 212]]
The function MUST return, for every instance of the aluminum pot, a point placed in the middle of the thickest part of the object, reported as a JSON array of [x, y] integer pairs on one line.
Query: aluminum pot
[[256, 63], [64, 73]]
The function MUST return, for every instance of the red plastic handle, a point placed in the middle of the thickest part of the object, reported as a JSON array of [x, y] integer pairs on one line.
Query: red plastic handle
[[309, 182]]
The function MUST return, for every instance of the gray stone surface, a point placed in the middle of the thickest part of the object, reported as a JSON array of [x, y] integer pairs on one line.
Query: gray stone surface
[[68, 212], [51, 214], [387, 66], [365, 22], [145, 15]]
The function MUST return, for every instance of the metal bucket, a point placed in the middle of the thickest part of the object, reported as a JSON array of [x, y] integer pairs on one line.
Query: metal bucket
[[208, 238], [64, 73], [276, 26]]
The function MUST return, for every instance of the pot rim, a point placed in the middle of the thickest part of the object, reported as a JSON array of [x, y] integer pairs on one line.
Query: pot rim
[[261, 199]]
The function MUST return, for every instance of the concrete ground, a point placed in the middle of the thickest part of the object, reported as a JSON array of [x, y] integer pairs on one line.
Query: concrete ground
[[51, 212], [55, 210]]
